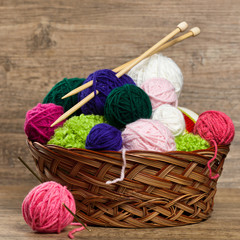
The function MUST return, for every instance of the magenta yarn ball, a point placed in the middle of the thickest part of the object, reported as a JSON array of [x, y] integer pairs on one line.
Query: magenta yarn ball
[[215, 126], [39, 119], [43, 208], [160, 91]]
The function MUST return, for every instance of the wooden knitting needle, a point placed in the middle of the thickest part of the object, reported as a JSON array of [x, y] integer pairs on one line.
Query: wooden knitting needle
[[192, 33], [75, 108], [181, 27]]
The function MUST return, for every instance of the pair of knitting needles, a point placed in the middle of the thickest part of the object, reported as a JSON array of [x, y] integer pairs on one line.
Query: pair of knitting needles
[[121, 70]]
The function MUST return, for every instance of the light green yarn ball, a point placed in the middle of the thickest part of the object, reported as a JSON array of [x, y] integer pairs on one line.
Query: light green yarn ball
[[73, 133], [189, 142]]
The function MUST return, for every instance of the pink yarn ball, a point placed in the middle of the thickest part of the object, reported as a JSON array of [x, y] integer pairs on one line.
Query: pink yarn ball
[[39, 119], [148, 134], [43, 208], [160, 91], [215, 126]]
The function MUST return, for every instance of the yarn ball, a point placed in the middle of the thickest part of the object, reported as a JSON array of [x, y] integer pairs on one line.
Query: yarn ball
[[160, 91], [74, 132], [190, 118], [62, 88], [43, 208], [171, 117], [104, 81], [190, 142], [215, 126], [157, 66], [104, 137], [39, 119], [148, 134], [126, 104]]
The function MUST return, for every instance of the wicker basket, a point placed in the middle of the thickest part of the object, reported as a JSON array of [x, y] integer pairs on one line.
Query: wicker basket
[[159, 189]]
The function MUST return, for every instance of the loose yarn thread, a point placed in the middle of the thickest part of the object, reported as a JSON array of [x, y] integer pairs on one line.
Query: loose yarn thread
[[43, 208], [122, 176]]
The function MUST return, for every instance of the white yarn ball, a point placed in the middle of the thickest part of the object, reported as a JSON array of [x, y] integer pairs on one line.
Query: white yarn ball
[[158, 66], [171, 117]]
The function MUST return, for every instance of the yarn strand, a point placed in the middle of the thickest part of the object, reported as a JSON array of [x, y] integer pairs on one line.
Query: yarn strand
[[211, 160], [122, 171], [70, 234]]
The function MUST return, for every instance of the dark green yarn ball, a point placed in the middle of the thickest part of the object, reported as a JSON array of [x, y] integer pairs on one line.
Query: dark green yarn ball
[[62, 88], [127, 104]]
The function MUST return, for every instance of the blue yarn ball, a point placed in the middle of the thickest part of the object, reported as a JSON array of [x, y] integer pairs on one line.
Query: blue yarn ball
[[104, 81], [104, 137]]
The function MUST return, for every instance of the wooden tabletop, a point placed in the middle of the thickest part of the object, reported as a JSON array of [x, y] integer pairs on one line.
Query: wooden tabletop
[[224, 224], [44, 41]]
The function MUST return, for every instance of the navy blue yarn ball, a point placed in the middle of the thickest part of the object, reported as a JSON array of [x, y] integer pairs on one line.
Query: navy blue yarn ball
[[104, 81], [104, 137]]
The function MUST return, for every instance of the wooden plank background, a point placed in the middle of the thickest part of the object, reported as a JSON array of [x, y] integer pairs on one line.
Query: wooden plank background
[[42, 42]]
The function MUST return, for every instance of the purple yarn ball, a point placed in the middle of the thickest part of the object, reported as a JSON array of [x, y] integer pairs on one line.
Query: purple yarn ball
[[104, 81], [104, 137]]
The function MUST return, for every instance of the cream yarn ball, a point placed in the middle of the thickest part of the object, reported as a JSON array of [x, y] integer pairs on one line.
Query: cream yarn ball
[[158, 66], [171, 117]]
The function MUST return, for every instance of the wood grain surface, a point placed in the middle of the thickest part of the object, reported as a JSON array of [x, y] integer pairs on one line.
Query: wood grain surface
[[41, 42]]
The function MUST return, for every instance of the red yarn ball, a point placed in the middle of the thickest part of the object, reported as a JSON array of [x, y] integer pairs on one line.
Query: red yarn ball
[[39, 119], [43, 208], [215, 126]]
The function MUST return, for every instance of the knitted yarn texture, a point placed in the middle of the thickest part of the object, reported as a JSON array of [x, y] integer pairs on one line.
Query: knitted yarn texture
[[74, 132]]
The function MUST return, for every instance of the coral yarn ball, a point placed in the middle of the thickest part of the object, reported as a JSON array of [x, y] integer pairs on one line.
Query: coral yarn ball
[[148, 134], [160, 91], [126, 104], [158, 66], [62, 88], [43, 208], [104, 81], [215, 126], [38, 122], [104, 137]]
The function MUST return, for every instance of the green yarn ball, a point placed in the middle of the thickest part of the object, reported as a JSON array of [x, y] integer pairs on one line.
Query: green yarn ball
[[62, 88], [127, 104], [74, 132], [189, 142]]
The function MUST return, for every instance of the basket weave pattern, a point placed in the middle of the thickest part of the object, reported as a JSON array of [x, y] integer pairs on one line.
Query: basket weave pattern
[[159, 189]]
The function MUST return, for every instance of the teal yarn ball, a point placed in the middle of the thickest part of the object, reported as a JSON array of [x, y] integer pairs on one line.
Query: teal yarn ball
[[62, 88], [190, 142], [126, 104], [74, 132]]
